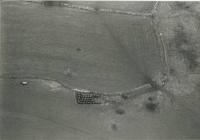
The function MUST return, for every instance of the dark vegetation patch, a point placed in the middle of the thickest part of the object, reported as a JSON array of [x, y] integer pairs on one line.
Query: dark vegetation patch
[[181, 6], [125, 97], [54, 3], [198, 88], [187, 6], [191, 58], [78, 49], [120, 111], [150, 106], [150, 99], [114, 127], [172, 71], [154, 84], [181, 38]]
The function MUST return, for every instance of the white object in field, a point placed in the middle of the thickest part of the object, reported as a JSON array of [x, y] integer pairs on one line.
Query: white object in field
[[24, 82], [161, 34]]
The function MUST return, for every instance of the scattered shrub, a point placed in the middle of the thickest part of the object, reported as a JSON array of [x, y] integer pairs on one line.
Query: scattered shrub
[[191, 58], [150, 106], [120, 111]]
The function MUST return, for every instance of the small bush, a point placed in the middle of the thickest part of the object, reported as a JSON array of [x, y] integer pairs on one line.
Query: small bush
[[191, 58], [151, 106], [120, 111]]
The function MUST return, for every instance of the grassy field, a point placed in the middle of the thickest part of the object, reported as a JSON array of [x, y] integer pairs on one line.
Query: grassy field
[[40, 111], [82, 49], [97, 51]]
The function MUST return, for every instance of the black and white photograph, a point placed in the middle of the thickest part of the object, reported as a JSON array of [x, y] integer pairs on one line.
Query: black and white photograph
[[99, 70]]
